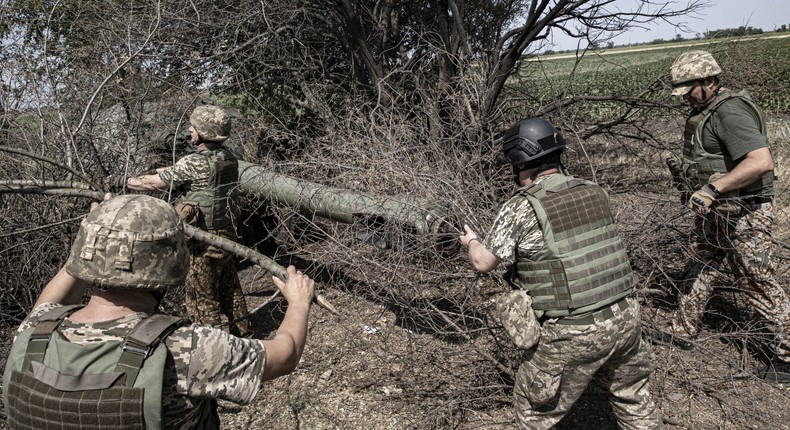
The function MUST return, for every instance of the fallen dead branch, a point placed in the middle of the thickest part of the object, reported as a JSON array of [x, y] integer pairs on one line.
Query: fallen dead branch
[[264, 262]]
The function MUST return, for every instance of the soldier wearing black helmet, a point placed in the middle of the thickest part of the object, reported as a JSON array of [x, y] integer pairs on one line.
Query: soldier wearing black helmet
[[114, 362], [209, 176], [572, 308], [726, 172]]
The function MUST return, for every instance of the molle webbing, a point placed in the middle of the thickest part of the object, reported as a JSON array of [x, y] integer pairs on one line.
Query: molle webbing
[[41, 396], [215, 201], [37, 405], [583, 264], [573, 208]]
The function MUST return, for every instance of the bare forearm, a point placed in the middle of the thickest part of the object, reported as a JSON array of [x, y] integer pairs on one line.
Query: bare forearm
[[482, 259], [753, 166], [146, 183], [285, 350]]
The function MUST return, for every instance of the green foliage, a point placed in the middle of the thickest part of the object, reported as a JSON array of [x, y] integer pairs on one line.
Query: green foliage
[[760, 66], [732, 32]]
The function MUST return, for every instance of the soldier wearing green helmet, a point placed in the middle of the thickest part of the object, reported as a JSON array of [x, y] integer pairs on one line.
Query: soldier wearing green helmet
[[114, 362], [209, 176], [571, 309], [726, 174]]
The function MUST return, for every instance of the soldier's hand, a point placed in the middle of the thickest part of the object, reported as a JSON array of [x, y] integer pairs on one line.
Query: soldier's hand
[[468, 236], [297, 289], [114, 183], [94, 205], [702, 200]]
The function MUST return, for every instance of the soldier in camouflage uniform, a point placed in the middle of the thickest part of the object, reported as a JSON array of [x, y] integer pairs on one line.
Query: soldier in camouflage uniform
[[572, 309], [726, 175], [209, 175], [114, 363]]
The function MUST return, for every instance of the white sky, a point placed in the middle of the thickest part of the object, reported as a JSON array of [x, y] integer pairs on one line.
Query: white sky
[[766, 14]]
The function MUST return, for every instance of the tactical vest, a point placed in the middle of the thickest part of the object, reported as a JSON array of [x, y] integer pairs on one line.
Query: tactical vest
[[698, 164], [583, 265], [216, 200], [53, 383]]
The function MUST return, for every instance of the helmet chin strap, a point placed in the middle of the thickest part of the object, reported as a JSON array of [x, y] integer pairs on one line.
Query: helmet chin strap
[[705, 97]]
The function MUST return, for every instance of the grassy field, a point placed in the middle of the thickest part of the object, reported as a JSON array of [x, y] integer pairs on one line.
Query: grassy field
[[758, 64]]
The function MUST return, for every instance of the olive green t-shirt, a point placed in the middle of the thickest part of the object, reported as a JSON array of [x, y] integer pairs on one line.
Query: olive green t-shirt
[[734, 130]]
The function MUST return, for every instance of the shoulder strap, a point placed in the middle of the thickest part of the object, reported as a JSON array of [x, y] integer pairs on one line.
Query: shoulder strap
[[39, 339], [142, 341], [570, 183], [725, 95]]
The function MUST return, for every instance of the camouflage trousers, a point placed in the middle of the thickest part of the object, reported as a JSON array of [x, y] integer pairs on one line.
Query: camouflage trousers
[[744, 241], [568, 357], [212, 288]]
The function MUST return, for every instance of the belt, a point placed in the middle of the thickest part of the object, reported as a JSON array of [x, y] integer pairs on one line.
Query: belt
[[601, 314]]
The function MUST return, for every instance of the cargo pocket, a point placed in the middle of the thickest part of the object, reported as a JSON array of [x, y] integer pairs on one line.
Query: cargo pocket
[[540, 385]]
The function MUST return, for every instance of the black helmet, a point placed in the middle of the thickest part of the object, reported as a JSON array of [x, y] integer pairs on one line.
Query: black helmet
[[531, 139]]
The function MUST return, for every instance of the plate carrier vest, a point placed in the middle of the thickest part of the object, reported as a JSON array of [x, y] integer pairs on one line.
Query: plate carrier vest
[[583, 265], [53, 383], [699, 165], [216, 201]]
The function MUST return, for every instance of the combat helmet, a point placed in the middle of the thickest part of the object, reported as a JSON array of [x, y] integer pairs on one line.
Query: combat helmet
[[132, 242], [211, 123], [531, 140], [690, 67]]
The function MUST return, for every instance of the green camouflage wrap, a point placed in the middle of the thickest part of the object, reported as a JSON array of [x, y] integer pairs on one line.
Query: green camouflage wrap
[[130, 241]]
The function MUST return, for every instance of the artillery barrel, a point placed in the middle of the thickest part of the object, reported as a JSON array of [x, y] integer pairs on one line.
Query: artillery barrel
[[424, 217]]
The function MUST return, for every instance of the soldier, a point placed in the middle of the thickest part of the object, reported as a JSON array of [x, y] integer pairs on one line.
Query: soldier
[[113, 363], [572, 310], [209, 175], [727, 170]]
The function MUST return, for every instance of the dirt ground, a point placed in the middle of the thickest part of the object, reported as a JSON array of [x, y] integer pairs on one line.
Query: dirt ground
[[363, 369], [382, 365]]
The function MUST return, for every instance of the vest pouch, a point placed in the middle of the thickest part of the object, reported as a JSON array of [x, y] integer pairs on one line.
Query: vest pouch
[[518, 318], [189, 212], [691, 173]]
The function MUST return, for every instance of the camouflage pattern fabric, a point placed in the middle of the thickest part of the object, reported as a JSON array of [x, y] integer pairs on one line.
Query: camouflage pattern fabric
[[515, 230], [192, 171], [211, 122], [130, 241], [207, 364], [689, 67], [744, 241], [568, 357], [212, 288], [518, 318]]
